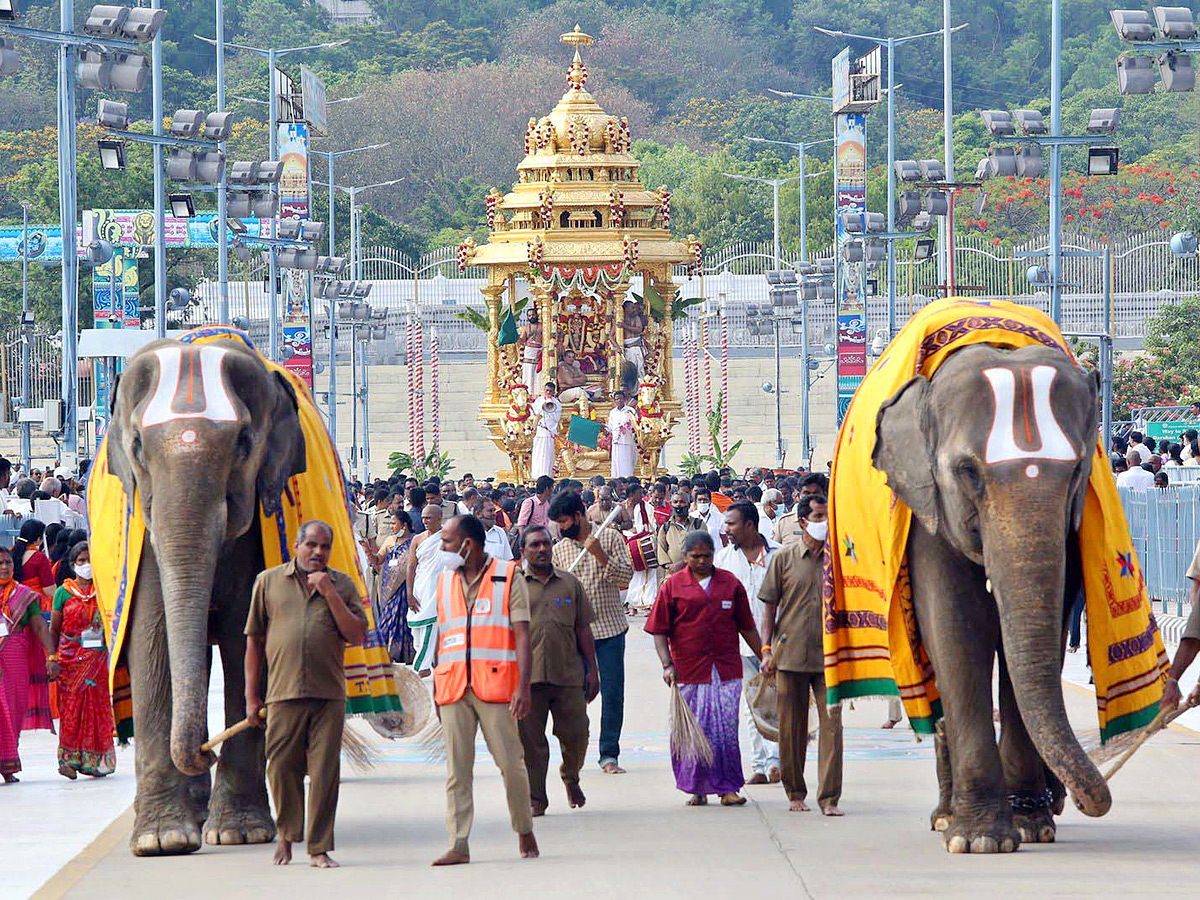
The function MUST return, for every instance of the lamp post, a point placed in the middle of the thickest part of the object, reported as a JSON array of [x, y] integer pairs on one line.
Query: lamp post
[[160, 199], [801, 149], [890, 44], [271, 54], [26, 335], [222, 225], [775, 184]]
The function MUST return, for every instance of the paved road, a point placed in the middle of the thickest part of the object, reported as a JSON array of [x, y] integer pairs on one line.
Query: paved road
[[636, 839]]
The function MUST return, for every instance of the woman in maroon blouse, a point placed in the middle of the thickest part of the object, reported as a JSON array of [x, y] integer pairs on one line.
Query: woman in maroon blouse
[[696, 620]]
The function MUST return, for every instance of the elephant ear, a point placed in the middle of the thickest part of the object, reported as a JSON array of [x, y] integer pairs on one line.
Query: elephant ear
[[1085, 473], [118, 460], [903, 453], [285, 454]]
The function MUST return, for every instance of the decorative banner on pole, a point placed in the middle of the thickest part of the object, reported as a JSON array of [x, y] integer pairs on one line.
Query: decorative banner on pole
[[121, 228], [126, 284], [850, 191], [294, 204], [312, 92]]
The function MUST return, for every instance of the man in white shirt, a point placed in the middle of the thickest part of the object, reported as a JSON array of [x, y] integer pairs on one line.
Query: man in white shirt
[[706, 512], [1135, 476], [624, 448], [768, 512], [1136, 444], [495, 543], [643, 585], [746, 556], [549, 413]]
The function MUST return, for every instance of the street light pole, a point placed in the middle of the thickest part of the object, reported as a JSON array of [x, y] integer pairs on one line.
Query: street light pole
[[66, 217], [801, 149], [26, 336], [1056, 162], [947, 137], [160, 197], [223, 313]]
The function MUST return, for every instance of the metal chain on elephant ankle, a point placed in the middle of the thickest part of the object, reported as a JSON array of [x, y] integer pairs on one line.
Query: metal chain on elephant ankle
[[1031, 801]]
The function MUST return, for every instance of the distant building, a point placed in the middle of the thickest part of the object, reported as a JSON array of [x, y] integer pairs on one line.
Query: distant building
[[348, 12]]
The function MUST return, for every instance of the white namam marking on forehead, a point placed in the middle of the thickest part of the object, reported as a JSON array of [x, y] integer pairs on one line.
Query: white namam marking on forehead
[[202, 394], [1001, 443]]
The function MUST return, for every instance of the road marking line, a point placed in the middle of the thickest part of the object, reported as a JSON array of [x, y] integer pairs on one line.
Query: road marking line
[[88, 858]]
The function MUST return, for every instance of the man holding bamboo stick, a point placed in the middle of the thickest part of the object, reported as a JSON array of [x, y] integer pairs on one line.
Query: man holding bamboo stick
[[302, 615]]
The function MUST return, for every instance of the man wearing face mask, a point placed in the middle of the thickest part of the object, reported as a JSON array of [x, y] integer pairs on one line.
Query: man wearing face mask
[[712, 519], [792, 648], [426, 560], [669, 540], [484, 661]]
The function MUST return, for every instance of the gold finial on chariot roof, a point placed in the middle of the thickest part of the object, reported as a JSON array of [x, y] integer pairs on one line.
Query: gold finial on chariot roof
[[576, 37]]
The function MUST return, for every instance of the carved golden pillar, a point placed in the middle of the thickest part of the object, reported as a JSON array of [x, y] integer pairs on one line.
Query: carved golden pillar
[[618, 318], [491, 294]]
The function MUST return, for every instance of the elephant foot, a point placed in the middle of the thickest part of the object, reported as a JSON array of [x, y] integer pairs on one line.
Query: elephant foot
[[167, 835], [241, 826], [990, 834], [940, 819], [1035, 827]]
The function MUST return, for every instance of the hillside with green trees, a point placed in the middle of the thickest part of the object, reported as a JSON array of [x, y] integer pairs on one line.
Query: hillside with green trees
[[452, 84]]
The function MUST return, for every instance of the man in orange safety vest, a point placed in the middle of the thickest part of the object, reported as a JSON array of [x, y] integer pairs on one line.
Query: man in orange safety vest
[[481, 679]]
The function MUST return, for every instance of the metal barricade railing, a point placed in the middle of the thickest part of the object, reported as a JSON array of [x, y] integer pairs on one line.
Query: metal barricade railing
[[1165, 528]]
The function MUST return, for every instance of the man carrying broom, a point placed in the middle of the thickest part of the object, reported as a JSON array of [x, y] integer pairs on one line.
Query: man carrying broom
[[696, 620]]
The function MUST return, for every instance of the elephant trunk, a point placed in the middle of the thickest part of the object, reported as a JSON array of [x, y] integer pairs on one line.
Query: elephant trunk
[[187, 552], [1029, 593]]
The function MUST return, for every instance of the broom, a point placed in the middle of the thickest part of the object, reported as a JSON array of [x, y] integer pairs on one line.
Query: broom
[[1123, 747], [688, 740], [361, 755]]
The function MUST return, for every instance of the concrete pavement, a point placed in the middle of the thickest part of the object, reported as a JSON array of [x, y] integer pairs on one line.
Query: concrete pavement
[[636, 839]]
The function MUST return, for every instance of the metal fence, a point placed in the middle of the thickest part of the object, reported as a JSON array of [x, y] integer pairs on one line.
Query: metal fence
[[1165, 527], [45, 370], [1145, 278]]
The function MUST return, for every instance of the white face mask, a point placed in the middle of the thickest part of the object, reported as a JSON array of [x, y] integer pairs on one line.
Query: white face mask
[[703, 507], [452, 560], [818, 531], [84, 571]]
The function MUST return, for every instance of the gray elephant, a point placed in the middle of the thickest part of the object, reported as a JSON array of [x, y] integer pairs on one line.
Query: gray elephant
[[205, 434], [994, 564]]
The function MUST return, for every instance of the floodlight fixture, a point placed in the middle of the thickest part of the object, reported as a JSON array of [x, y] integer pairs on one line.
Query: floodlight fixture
[[1175, 23], [112, 114], [218, 125], [909, 205], [237, 226], [93, 70], [186, 123], [852, 251], [361, 290], [1002, 161], [112, 153], [97, 253], [333, 265], [264, 205], [1103, 121], [9, 10], [210, 165], [240, 173], [179, 298], [998, 122], [1030, 121], [181, 164], [1029, 162], [781, 276], [1132, 24], [241, 322], [312, 230], [921, 221], [237, 205], [876, 223], [827, 267], [128, 72], [808, 290], [852, 222], [825, 291], [143, 24], [10, 61], [932, 170], [1184, 243], [105, 21], [268, 171], [325, 289], [875, 250], [182, 206], [1103, 160], [289, 229], [805, 268], [1177, 72], [937, 203], [984, 169], [907, 170], [924, 249], [1037, 275], [286, 257], [1135, 74]]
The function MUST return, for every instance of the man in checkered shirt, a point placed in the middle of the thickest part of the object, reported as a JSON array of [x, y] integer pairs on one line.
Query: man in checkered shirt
[[605, 571]]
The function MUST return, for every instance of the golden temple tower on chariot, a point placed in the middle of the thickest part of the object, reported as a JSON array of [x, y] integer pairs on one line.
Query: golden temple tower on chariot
[[579, 258]]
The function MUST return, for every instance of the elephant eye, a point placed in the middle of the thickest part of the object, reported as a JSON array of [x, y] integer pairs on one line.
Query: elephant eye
[[968, 471], [135, 449], [245, 443]]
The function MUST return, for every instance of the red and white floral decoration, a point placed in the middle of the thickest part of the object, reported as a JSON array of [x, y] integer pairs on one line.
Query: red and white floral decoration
[[629, 247], [616, 207]]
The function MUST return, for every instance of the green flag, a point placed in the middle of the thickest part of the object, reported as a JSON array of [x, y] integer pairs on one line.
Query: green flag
[[508, 329], [584, 432]]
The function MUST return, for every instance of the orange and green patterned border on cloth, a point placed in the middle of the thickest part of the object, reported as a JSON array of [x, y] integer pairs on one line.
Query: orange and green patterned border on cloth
[[872, 646], [118, 532]]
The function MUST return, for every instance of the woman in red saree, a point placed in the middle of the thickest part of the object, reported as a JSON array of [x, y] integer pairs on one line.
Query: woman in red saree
[[27, 662], [85, 741]]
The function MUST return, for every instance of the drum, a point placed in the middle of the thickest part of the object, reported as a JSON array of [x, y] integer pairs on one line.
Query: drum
[[643, 551]]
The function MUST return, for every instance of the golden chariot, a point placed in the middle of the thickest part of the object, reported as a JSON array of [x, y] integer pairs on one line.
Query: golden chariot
[[575, 234]]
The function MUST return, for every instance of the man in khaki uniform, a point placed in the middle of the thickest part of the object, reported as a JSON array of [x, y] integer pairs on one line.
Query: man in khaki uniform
[[561, 639], [464, 536], [1189, 643], [302, 615], [792, 649], [788, 527], [669, 540]]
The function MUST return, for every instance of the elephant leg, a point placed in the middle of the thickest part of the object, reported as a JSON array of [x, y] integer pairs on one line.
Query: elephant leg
[[240, 812], [165, 813], [1024, 772], [960, 629], [940, 818]]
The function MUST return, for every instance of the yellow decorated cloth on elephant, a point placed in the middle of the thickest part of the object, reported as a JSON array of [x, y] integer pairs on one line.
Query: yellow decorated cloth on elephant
[[872, 646], [118, 533]]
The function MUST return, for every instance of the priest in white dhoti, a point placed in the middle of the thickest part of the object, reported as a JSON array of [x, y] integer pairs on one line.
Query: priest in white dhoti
[[426, 562], [531, 351], [643, 585], [549, 413], [620, 425]]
